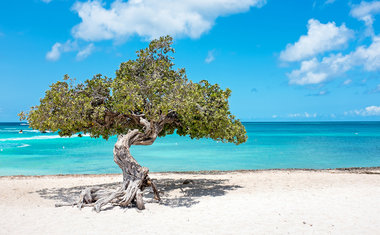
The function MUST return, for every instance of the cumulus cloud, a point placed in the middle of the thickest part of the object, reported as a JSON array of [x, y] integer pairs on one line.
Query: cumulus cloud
[[150, 18], [69, 46], [58, 48], [320, 38], [365, 11], [55, 52], [316, 66], [368, 111], [147, 19], [210, 56], [314, 71]]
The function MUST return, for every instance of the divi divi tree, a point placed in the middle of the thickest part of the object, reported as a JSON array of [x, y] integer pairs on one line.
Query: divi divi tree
[[147, 99]]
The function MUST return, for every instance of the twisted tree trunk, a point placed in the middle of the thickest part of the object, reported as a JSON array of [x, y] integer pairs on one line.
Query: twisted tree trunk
[[135, 177]]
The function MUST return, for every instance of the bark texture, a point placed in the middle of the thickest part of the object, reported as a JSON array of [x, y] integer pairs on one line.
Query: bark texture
[[135, 177]]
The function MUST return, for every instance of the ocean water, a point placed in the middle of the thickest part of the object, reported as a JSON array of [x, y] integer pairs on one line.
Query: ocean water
[[270, 145]]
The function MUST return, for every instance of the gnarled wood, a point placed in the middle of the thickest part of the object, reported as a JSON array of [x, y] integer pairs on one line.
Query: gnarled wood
[[139, 200], [135, 177]]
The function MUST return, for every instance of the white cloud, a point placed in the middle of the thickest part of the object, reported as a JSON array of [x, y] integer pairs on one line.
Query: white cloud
[[320, 38], [46, 1], [210, 56], [314, 72], [302, 115], [55, 52], [307, 74], [368, 111], [69, 46], [151, 19], [347, 82], [368, 57], [365, 11], [274, 116], [320, 93], [372, 111], [293, 115], [84, 53], [58, 48]]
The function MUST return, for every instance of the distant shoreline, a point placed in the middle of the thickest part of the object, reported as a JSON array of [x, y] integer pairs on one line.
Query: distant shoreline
[[354, 170]]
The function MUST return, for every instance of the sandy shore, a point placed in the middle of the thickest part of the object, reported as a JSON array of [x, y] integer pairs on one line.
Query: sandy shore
[[241, 202]]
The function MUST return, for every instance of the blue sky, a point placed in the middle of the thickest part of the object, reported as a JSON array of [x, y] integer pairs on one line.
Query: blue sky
[[316, 60]]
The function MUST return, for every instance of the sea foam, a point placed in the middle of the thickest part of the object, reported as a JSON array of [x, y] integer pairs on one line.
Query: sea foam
[[23, 146], [40, 137]]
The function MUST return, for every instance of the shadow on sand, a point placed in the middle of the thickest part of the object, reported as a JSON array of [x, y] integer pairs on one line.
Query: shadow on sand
[[186, 194]]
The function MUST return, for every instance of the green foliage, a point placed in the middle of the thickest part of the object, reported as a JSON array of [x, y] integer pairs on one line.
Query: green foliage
[[147, 87]]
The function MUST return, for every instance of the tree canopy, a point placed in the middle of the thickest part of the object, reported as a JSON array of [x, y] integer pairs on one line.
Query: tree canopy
[[146, 91]]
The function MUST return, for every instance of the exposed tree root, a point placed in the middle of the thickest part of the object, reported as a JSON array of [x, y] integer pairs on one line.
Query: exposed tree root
[[135, 177], [97, 197]]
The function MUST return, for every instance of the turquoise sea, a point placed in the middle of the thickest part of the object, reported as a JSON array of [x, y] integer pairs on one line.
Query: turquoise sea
[[270, 145]]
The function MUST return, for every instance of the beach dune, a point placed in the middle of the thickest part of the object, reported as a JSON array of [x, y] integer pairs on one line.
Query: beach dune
[[238, 202]]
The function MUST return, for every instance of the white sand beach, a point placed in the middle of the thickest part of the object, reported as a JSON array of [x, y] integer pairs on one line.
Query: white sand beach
[[241, 202]]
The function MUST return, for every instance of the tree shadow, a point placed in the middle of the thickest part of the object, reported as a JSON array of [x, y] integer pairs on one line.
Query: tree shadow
[[70, 195], [189, 193], [186, 195]]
